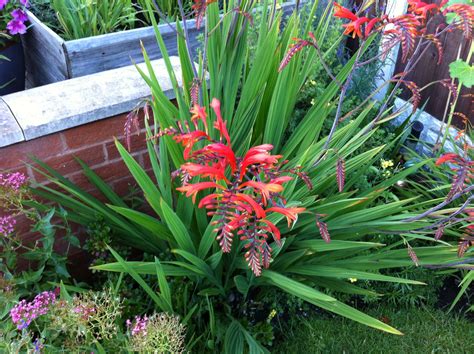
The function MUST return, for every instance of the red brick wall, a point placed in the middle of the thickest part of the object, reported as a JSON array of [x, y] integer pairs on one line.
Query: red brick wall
[[93, 143]]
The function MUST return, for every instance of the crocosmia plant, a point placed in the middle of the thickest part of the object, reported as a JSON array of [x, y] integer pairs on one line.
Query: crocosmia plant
[[246, 191], [13, 17]]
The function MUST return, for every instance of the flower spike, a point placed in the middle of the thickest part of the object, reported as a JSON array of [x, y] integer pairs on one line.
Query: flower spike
[[244, 191]]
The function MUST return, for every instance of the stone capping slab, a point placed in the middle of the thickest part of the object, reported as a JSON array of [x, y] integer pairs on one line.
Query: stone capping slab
[[432, 126], [67, 104], [10, 130]]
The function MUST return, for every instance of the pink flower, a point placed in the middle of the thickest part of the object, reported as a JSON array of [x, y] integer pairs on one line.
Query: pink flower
[[7, 224], [3, 3], [25, 312], [12, 181], [139, 326], [25, 3], [19, 15], [16, 27]]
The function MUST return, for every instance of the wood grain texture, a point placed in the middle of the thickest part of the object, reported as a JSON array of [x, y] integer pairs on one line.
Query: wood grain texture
[[109, 51], [428, 70], [45, 59]]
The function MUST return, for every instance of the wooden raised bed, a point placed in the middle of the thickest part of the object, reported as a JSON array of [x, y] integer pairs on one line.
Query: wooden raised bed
[[49, 58]]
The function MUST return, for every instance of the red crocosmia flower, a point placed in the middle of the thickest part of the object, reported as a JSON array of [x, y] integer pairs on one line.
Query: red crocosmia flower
[[274, 230], [471, 219], [342, 12], [193, 189], [370, 26], [193, 169], [220, 125], [259, 212], [260, 149], [463, 172], [290, 213], [261, 158], [189, 139], [218, 149], [421, 8], [240, 196], [264, 188], [281, 180], [258, 155], [199, 112], [451, 157], [210, 201], [355, 27]]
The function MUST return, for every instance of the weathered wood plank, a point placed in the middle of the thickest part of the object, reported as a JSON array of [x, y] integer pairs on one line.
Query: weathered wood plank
[[115, 50], [45, 59], [428, 70]]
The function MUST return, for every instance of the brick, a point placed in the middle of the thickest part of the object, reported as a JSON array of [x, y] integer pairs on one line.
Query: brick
[[137, 145], [22, 169], [146, 161], [122, 187], [14, 156], [95, 133], [80, 180], [98, 195], [23, 224], [67, 164], [78, 267], [113, 170]]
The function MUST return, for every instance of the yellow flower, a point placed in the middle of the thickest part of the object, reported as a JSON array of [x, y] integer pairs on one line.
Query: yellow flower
[[386, 163], [272, 314], [313, 102], [352, 280]]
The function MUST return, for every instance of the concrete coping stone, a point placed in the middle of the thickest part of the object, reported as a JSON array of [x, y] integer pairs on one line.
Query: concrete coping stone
[[10, 130], [52, 108], [432, 126]]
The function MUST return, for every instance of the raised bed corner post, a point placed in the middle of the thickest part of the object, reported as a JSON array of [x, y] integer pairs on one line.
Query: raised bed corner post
[[394, 8]]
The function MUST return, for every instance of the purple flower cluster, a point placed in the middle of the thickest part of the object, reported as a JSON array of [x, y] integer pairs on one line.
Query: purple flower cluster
[[25, 312], [18, 17], [38, 345], [12, 181], [139, 326], [7, 225], [84, 310]]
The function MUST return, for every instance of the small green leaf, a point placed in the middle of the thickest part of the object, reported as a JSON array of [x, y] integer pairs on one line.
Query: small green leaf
[[462, 71], [241, 284]]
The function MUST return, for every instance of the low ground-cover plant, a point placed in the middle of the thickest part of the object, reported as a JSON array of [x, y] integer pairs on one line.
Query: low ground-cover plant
[[26, 265], [55, 321]]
